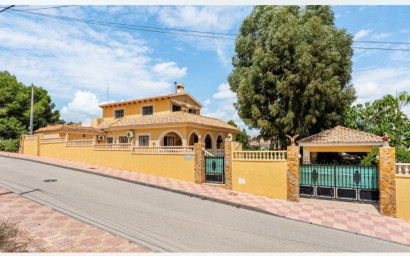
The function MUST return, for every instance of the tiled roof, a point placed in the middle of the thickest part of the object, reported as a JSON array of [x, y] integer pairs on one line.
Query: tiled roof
[[68, 128], [341, 134], [170, 118], [151, 98]]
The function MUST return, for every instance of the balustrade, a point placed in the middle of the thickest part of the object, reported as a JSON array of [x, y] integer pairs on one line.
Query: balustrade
[[403, 169], [163, 150], [279, 155]]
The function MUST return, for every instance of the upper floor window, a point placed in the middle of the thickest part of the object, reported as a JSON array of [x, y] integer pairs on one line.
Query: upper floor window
[[118, 113], [122, 139], [192, 111], [147, 110], [143, 140], [176, 108]]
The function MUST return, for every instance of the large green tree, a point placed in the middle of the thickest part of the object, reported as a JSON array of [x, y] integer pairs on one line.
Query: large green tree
[[292, 71], [384, 115], [15, 107]]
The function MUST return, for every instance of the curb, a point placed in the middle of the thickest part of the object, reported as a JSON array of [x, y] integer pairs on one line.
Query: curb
[[202, 197]]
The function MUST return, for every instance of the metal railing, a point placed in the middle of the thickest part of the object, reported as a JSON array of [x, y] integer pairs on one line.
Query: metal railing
[[53, 140], [220, 152], [163, 150], [207, 153], [112, 146], [279, 155], [403, 169], [80, 143]]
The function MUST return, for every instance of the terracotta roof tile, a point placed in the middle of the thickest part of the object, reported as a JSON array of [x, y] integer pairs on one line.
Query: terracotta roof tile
[[341, 134], [68, 128], [170, 118]]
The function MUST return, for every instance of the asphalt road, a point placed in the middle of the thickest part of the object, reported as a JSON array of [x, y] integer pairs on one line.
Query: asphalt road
[[169, 222]]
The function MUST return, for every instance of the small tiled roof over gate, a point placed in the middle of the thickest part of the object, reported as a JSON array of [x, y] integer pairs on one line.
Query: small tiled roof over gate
[[341, 134]]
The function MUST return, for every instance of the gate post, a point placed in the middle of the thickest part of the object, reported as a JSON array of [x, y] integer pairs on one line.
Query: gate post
[[199, 162], [292, 176], [228, 163], [387, 178]]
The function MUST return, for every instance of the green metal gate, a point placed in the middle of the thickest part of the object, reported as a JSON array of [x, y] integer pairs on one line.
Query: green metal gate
[[214, 169], [347, 182]]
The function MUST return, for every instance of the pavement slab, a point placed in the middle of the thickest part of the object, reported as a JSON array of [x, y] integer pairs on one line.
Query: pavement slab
[[350, 217], [47, 230]]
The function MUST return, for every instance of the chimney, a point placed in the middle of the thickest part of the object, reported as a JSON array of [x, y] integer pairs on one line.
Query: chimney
[[180, 88]]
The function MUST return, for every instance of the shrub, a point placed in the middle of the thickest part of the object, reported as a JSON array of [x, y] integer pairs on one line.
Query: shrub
[[10, 238], [402, 156], [9, 145]]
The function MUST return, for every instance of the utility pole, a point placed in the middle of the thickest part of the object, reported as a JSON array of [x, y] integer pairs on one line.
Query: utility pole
[[32, 109]]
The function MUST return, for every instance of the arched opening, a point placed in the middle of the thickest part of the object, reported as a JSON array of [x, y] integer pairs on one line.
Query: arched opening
[[208, 142], [171, 139], [219, 142], [193, 139]]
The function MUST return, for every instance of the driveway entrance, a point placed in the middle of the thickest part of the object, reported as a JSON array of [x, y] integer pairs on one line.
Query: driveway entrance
[[345, 182]]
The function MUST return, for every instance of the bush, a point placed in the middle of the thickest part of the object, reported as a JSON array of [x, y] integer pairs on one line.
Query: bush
[[402, 156], [9, 145], [10, 238]]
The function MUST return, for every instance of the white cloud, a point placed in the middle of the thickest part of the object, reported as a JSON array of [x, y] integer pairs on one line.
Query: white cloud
[[224, 92], [169, 70], [362, 33], [380, 35], [63, 58], [219, 19], [374, 84], [207, 102], [83, 107]]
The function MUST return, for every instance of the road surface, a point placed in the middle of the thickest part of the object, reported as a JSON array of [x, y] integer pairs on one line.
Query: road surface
[[169, 222]]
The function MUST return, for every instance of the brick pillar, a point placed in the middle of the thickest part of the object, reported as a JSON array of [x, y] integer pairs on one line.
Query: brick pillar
[[293, 173], [199, 162], [228, 163], [22, 144], [387, 181], [39, 139]]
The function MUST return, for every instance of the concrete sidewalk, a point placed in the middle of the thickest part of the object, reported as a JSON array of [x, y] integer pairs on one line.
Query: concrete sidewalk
[[369, 222], [46, 230]]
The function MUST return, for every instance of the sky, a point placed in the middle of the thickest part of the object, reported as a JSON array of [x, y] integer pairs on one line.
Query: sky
[[77, 62]]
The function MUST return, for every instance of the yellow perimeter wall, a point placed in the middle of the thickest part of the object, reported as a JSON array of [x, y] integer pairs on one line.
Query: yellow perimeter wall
[[171, 166], [261, 178], [402, 197], [30, 147]]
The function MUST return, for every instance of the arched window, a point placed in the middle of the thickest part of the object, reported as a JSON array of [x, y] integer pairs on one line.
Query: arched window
[[171, 139], [208, 142], [219, 142], [193, 139]]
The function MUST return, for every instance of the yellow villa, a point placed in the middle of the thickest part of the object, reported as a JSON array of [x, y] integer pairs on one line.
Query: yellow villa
[[172, 121]]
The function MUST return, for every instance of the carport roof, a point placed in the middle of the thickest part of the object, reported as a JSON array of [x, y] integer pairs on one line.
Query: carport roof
[[341, 135]]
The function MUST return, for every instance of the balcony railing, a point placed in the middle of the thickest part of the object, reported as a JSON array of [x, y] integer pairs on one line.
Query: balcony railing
[[80, 143], [53, 140], [403, 169], [113, 146], [163, 150], [279, 155]]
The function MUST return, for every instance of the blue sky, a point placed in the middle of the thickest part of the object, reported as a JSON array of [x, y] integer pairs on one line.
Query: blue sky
[[75, 61]]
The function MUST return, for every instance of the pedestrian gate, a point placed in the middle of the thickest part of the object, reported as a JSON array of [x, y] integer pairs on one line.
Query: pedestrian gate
[[214, 169], [346, 182]]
